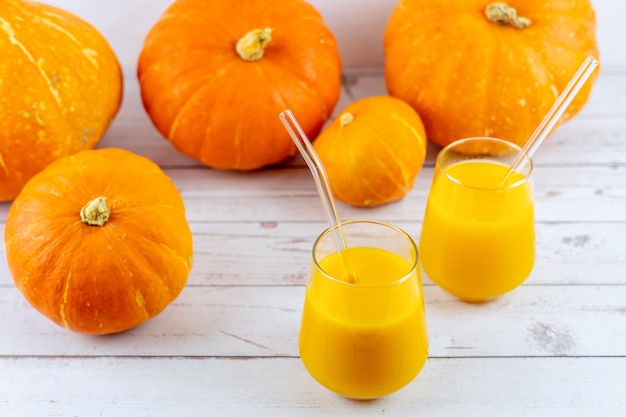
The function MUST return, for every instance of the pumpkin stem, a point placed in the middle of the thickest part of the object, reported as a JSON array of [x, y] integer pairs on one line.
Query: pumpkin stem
[[345, 119], [96, 212], [504, 14], [251, 46]]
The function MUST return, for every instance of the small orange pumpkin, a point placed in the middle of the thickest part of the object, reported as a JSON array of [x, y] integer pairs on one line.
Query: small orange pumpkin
[[60, 87], [373, 151], [481, 68], [98, 241], [215, 74]]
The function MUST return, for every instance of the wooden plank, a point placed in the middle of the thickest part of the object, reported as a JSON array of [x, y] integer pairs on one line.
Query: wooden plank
[[563, 194], [596, 135], [264, 321], [580, 253], [555, 346], [494, 387], [278, 253], [584, 142], [579, 142]]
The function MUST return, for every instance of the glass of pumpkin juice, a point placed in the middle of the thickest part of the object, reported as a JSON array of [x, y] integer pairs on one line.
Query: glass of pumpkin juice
[[364, 338], [478, 234]]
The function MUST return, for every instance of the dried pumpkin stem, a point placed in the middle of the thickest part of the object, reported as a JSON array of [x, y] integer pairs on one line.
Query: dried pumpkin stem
[[96, 212], [503, 14], [345, 119], [252, 45]]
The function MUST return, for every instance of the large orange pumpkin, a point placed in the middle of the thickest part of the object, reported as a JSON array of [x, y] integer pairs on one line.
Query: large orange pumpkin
[[373, 151], [215, 74], [60, 87], [477, 68], [98, 241]]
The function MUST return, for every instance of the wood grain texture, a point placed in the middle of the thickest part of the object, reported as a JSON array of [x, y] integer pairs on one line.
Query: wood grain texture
[[265, 253], [227, 346], [562, 194], [263, 321], [515, 387]]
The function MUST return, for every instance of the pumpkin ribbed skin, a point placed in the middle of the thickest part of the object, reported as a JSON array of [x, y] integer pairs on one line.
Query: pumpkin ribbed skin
[[60, 87], [99, 279], [467, 76], [373, 151], [221, 109]]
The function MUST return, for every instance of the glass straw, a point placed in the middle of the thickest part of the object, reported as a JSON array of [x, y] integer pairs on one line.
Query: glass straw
[[323, 187], [554, 114]]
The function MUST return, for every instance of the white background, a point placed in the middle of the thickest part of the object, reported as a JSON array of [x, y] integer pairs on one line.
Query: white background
[[358, 25]]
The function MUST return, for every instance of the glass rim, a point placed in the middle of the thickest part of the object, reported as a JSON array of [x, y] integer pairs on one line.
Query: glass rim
[[413, 265], [450, 146]]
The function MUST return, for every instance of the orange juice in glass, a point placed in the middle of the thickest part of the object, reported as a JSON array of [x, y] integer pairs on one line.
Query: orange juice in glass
[[478, 233], [368, 338]]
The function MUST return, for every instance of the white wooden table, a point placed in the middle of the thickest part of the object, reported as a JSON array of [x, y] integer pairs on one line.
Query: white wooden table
[[556, 346]]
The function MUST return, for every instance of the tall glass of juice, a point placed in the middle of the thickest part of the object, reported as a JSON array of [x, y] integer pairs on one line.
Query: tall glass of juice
[[478, 233], [364, 338]]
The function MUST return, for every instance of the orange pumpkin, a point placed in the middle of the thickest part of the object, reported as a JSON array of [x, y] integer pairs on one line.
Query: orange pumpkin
[[60, 87], [373, 151], [98, 241], [477, 68], [214, 75]]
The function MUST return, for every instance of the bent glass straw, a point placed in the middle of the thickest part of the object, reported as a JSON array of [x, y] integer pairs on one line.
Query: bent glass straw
[[323, 187], [555, 113]]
